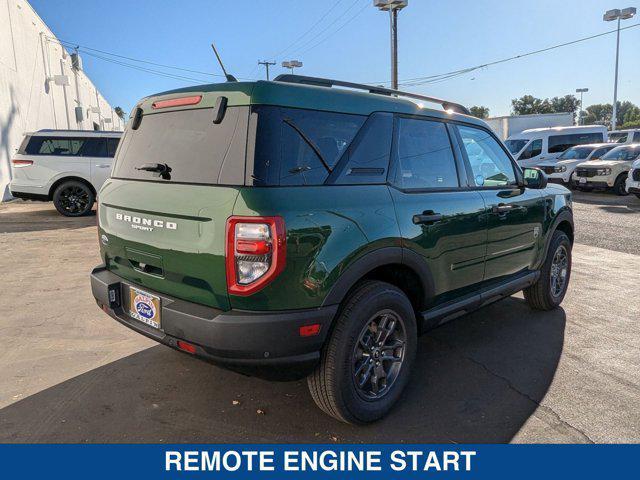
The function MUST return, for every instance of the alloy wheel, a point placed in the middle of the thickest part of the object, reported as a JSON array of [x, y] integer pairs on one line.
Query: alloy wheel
[[378, 355]]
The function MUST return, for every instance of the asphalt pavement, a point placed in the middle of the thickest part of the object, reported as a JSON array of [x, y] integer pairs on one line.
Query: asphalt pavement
[[68, 373]]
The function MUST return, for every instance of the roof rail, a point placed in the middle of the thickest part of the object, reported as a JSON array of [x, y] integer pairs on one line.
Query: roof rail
[[327, 82]]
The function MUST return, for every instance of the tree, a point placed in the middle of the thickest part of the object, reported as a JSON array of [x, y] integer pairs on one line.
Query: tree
[[598, 114], [119, 112], [566, 104], [528, 105], [479, 111]]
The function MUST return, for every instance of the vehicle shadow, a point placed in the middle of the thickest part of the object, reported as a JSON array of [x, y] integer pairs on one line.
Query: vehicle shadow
[[476, 379], [34, 217]]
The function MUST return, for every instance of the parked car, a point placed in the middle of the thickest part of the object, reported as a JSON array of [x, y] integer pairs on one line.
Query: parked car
[[561, 169], [633, 179], [532, 147], [67, 167], [296, 228], [625, 136], [611, 171]]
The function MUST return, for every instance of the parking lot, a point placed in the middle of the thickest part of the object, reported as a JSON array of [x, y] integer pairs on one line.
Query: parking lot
[[68, 373]]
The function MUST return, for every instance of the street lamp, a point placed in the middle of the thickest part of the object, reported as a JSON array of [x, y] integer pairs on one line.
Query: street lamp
[[581, 91], [292, 64], [610, 16], [393, 7]]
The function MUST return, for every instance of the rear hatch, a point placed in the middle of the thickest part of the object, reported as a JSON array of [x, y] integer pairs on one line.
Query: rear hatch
[[175, 181]]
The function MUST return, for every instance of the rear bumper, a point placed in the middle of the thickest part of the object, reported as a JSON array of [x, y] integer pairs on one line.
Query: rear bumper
[[242, 340], [29, 196]]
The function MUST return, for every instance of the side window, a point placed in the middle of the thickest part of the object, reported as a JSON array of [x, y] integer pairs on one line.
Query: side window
[[489, 163], [559, 143], [312, 143], [424, 158], [94, 147], [368, 156], [599, 152], [112, 146], [54, 146], [533, 150]]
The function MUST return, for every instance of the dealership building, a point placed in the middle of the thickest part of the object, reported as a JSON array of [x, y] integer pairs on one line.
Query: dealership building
[[42, 85]]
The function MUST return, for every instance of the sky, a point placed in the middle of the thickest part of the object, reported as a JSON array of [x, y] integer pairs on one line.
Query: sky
[[349, 40]]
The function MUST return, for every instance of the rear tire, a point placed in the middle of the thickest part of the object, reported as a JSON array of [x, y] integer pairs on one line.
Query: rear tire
[[549, 290], [619, 187], [73, 198], [358, 380]]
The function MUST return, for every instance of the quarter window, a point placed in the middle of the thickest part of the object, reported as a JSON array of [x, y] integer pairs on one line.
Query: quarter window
[[424, 158], [489, 163], [367, 158]]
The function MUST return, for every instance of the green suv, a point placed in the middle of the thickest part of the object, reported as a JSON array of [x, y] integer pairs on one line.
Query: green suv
[[315, 227]]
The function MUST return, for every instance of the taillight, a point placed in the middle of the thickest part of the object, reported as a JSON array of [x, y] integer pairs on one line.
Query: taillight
[[21, 163], [255, 254]]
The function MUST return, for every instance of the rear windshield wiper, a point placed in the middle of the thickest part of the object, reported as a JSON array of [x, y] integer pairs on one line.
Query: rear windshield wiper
[[162, 168], [309, 142]]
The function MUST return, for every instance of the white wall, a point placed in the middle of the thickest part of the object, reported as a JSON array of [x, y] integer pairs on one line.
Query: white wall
[[29, 54]]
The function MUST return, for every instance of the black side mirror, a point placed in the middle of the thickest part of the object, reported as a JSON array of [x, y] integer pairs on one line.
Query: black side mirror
[[535, 178]]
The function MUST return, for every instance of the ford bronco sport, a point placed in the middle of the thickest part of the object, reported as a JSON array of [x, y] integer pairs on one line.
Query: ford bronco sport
[[293, 226]]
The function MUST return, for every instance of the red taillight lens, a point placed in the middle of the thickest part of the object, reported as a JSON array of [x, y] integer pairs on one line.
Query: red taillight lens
[[255, 254], [21, 163], [177, 102]]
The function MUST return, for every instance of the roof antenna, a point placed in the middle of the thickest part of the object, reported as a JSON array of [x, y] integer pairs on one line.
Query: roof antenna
[[230, 78]]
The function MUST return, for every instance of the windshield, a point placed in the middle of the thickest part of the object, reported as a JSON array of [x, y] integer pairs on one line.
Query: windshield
[[619, 137], [623, 154], [576, 153], [515, 145]]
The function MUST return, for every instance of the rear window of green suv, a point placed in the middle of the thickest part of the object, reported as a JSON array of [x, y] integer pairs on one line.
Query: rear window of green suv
[[190, 144]]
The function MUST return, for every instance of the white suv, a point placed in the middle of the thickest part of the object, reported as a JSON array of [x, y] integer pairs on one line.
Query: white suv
[[633, 180], [611, 171], [66, 166], [559, 170]]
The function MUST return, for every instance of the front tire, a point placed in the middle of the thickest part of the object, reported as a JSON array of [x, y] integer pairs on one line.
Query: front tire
[[619, 187], [549, 291], [366, 362], [73, 198]]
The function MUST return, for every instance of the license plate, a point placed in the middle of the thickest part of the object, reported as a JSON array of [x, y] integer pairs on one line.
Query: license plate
[[583, 180], [144, 307]]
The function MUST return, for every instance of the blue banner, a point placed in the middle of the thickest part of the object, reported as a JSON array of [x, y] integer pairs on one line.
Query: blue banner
[[319, 461]]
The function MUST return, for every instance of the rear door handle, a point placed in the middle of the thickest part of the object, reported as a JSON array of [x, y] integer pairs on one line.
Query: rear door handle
[[103, 165], [501, 208], [427, 218]]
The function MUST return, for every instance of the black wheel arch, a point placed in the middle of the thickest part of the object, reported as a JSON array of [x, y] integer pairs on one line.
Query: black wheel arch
[[563, 222], [62, 180], [401, 267]]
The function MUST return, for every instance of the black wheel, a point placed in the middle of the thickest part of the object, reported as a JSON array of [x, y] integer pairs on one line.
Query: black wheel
[[619, 187], [549, 291], [73, 198], [366, 362]]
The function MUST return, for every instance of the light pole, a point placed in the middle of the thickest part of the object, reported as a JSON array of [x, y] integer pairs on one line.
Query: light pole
[[581, 91], [393, 7], [610, 16], [292, 64]]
